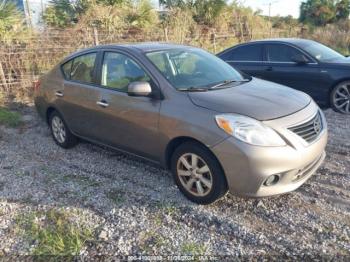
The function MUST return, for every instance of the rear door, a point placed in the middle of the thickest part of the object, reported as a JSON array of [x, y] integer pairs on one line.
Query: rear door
[[247, 58], [76, 100], [127, 122], [281, 69]]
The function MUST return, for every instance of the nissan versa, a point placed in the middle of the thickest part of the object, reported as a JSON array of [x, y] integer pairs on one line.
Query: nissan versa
[[216, 129]]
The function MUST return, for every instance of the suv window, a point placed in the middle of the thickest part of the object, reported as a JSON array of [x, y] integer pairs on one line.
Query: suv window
[[244, 53], [83, 68], [281, 53], [118, 71]]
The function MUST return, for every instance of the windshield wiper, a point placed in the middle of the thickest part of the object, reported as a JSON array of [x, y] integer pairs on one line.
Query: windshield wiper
[[226, 82], [193, 89]]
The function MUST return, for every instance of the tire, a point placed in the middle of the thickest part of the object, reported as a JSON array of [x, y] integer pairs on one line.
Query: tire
[[184, 175], [340, 98], [64, 138]]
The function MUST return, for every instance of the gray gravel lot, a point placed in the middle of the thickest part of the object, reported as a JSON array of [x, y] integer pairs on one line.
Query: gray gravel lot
[[135, 208]]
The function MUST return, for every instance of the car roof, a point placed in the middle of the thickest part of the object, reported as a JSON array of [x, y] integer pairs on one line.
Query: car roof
[[138, 47], [293, 41]]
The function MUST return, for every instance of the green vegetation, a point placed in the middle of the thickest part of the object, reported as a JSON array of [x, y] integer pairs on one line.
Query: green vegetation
[[116, 196], [11, 21], [193, 249], [322, 12], [152, 240], [9, 118], [54, 233]]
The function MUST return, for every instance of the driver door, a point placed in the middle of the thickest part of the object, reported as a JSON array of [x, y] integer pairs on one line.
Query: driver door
[[281, 69], [127, 122]]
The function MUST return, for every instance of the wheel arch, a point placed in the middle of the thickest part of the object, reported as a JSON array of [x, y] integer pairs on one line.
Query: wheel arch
[[341, 80], [49, 111], [176, 142]]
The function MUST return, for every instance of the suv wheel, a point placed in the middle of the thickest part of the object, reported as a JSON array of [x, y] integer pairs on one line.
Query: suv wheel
[[60, 132], [340, 98], [198, 174]]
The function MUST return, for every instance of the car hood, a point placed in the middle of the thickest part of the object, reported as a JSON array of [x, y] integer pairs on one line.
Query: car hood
[[258, 99], [344, 61]]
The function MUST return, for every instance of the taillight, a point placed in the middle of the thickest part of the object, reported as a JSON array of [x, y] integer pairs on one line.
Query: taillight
[[36, 86]]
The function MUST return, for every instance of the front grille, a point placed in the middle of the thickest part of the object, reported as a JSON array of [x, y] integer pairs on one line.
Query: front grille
[[309, 130]]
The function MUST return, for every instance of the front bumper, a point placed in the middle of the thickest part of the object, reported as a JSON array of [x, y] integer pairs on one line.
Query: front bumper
[[247, 167]]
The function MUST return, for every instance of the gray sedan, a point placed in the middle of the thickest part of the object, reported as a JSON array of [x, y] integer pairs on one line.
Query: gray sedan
[[216, 129]]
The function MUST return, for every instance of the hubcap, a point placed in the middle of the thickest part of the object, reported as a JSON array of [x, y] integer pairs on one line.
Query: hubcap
[[58, 129], [341, 98], [194, 174]]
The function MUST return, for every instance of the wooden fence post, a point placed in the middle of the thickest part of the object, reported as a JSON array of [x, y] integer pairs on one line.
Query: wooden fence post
[[95, 35]]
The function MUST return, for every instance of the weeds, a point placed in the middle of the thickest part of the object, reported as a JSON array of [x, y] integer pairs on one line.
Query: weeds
[[193, 249], [116, 196], [9, 118], [53, 233]]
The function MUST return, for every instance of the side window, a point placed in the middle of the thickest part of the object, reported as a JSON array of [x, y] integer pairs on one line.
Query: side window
[[119, 70], [66, 68], [281, 53], [83, 68], [244, 53]]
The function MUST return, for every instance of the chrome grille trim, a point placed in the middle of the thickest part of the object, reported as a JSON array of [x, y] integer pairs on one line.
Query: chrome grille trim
[[310, 130]]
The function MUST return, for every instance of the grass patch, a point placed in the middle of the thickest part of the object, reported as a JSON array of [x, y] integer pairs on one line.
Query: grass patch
[[116, 196], [193, 249], [152, 240], [53, 233], [9, 118], [83, 181]]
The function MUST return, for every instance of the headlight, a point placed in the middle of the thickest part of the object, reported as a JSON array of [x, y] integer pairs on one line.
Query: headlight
[[249, 130]]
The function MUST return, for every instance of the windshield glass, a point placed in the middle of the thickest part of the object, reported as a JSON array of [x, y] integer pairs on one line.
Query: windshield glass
[[321, 52], [193, 68]]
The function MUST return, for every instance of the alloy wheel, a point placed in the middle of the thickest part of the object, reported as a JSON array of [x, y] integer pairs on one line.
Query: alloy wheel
[[341, 98], [194, 174], [58, 129]]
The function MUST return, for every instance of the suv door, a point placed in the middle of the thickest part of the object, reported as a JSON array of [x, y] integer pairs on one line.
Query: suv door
[[247, 58], [127, 122], [76, 100], [306, 77]]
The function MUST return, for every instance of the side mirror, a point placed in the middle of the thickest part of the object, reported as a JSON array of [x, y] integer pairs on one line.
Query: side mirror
[[300, 59], [139, 89]]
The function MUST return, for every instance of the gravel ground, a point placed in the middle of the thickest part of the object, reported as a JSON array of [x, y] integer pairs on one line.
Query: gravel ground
[[135, 208]]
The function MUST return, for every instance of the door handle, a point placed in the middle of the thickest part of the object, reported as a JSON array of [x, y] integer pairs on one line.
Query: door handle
[[102, 103], [269, 68], [59, 93]]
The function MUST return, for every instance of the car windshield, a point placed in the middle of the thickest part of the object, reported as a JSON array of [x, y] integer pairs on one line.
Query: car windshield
[[193, 68], [321, 52]]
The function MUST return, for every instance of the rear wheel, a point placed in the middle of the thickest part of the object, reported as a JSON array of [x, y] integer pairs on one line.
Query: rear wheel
[[198, 174], [340, 98], [60, 132]]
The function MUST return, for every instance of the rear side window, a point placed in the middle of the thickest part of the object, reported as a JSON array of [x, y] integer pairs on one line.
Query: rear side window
[[281, 53], [244, 53], [83, 68]]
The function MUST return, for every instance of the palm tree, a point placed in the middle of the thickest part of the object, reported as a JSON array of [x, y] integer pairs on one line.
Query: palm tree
[[11, 20]]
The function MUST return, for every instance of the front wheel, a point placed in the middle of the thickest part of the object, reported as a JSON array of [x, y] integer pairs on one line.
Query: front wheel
[[198, 174], [340, 98]]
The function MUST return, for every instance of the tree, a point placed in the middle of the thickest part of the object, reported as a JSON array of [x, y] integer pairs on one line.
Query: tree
[[322, 12], [11, 20], [343, 9], [63, 13]]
